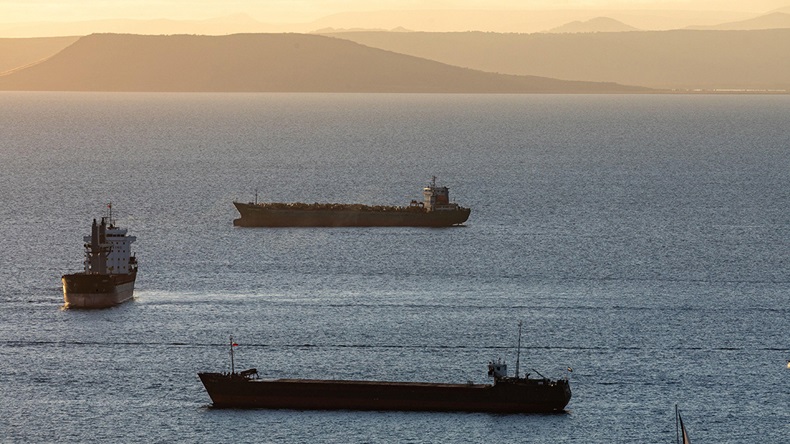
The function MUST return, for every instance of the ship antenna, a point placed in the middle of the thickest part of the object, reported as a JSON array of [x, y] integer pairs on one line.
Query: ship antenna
[[232, 366], [518, 348], [109, 206], [256, 196]]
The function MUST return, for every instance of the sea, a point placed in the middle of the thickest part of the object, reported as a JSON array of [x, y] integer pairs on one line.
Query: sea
[[641, 240]]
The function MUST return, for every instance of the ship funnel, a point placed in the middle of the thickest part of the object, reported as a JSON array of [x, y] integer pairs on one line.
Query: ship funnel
[[94, 249], [94, 236], [102, 252], [97, 252], [103, 231]]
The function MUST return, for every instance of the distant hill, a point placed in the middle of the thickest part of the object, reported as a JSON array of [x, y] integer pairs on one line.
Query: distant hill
[[16, 53], [680, 59], [774, 20], [598, 24], [263, 62]]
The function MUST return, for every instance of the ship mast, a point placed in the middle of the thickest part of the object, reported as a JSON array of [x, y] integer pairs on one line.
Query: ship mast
[[518, 348], [232, 364]]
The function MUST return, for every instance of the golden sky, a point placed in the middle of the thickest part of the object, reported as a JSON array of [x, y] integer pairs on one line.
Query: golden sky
[[12, 11]]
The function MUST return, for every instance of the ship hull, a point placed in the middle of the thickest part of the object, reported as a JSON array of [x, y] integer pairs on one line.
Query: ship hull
[[83, 290], [255, 215], [525, 396]]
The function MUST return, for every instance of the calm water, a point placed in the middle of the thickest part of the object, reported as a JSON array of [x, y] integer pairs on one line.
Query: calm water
[[642, 240]]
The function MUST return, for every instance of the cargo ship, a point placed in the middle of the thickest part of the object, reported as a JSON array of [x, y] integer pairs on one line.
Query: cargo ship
[[507, 394], [435, 210], [110, 268]]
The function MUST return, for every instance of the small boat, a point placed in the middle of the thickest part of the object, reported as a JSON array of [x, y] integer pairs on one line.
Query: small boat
[[110, 268], [508, 394]]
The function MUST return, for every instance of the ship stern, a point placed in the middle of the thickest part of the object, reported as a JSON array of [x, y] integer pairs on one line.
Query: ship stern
[[92, 291]]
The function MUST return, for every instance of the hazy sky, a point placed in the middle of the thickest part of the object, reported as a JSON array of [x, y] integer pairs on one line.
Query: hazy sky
[[308, 10]]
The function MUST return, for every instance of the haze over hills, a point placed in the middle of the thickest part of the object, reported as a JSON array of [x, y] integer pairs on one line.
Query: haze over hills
[[232, 24], [598, 24], [519, 21], [681, 59], [590, 45], [265, 63], [774, 20]]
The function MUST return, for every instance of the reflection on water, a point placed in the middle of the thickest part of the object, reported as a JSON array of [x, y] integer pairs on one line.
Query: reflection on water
[[642, 240]]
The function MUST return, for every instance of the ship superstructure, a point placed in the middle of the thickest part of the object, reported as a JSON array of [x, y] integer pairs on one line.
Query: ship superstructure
[[437, 198], [110, 268]]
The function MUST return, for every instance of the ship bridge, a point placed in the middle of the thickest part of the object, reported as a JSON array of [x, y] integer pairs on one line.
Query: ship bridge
[[437, 198]]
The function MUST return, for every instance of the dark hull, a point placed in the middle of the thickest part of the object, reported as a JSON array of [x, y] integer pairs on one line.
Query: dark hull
[[81, 290], [253, 215], [509, 396]]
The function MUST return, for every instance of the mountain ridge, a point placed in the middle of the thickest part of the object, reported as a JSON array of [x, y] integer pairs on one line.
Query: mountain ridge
[[773, 20], [265, 63], [18, 53], [678, 59]]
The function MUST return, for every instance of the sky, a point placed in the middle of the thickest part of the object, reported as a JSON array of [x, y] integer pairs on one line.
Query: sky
[[294, 11]]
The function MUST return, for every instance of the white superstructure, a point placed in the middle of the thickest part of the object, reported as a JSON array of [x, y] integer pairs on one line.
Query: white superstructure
[[108, 249]]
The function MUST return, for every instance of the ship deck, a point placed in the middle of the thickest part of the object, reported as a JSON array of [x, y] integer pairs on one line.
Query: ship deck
[[373, 383]]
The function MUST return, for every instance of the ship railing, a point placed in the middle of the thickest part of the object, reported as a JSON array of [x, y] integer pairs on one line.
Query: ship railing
[[445, 207], [339, 207], [246, 374]]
